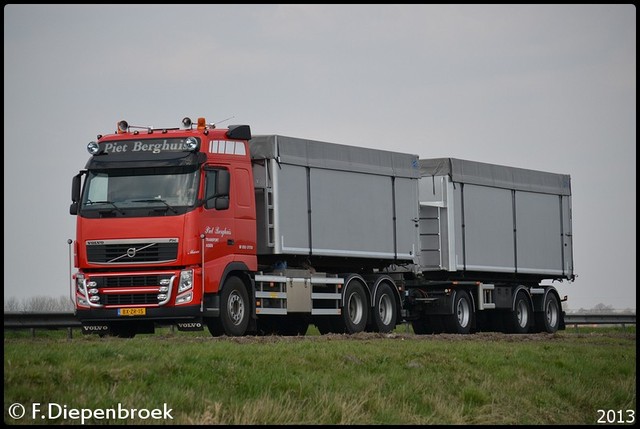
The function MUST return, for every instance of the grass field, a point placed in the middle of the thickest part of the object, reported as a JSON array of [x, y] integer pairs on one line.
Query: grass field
[[571, 377]]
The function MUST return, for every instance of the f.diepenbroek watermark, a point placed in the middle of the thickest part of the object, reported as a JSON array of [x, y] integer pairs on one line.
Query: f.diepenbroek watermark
[[52, 411]]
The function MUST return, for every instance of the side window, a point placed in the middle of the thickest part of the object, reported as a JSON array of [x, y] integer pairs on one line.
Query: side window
[[210, 184], [217, 185]]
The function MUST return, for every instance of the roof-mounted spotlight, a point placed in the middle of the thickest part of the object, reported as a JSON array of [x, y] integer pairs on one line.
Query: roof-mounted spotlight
[[123, 127], [94, 148], [192, 144], [186, 122]]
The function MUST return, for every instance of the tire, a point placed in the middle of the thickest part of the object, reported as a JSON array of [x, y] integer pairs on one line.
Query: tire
[[385, 310], [461, 321], [355, 308], [519, 320], [235, 310], [548, 320]]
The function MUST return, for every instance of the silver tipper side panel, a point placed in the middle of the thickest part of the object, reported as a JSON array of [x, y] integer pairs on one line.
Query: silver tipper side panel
[[326, 199], [492, 218]]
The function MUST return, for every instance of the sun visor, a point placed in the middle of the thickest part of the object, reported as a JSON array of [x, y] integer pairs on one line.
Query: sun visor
[[144, 159]]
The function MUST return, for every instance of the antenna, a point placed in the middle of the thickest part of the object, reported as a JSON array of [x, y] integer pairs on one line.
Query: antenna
[[219, 122]]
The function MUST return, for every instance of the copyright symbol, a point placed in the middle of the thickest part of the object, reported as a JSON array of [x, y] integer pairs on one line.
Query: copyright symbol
[[16, 411]]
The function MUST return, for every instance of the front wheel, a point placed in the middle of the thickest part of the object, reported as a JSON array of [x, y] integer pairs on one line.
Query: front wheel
[[235, 310]]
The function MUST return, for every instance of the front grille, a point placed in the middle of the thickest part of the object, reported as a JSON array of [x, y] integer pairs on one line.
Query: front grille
[[130, 299], [132, 251], [131, 282]]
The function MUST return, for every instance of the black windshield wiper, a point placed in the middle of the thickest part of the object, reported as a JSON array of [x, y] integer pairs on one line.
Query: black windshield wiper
[[156, 200], [89, 202]]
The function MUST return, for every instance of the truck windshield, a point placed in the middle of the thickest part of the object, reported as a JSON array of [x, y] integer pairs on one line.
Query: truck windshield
[[119, 189]]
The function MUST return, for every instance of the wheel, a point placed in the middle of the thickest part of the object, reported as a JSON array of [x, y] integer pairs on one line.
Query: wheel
[[355, 308], [384, 309], [460, 321], [548, 320], [234, 310], [520, 319]]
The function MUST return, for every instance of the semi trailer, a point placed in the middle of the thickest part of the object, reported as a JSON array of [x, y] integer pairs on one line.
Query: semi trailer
[[205, 227]]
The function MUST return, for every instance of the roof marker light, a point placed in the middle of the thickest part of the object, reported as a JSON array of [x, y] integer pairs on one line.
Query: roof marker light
[[202, 124]]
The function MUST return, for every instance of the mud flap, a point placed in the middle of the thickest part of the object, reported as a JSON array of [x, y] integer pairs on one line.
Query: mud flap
[[192, 325], [95, 328]]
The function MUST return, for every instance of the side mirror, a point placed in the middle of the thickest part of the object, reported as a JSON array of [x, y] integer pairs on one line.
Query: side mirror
[[75, 188], [222, 203], [75, 193], [218, 203]]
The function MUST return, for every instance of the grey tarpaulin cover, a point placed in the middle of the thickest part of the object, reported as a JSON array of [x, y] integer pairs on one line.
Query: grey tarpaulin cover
[[311, 153], [479, 173]]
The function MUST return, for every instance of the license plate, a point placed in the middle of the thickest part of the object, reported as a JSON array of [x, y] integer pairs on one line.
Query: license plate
[[132, 311]]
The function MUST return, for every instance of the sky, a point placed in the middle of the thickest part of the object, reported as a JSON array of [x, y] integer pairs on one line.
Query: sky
[[544, 87]]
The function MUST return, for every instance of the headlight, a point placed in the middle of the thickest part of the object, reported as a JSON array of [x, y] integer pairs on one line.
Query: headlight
[[186, 280], [80, 286]]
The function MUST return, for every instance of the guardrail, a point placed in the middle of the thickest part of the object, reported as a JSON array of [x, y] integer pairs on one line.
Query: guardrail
[[41, 319], [64, 319], [599, 319]]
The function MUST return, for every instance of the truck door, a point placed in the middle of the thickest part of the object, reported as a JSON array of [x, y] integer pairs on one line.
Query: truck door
[[217, 223]]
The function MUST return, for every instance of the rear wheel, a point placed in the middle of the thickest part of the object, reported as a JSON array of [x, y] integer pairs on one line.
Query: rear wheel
[[355, 308], [519, 320], [384, 309], [548, 320], [460, 321]]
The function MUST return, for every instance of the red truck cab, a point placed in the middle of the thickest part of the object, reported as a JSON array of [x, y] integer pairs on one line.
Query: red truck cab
[[163, 217]]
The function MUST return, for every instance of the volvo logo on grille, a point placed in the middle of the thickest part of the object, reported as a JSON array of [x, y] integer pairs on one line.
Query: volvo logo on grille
[[131, 252]]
